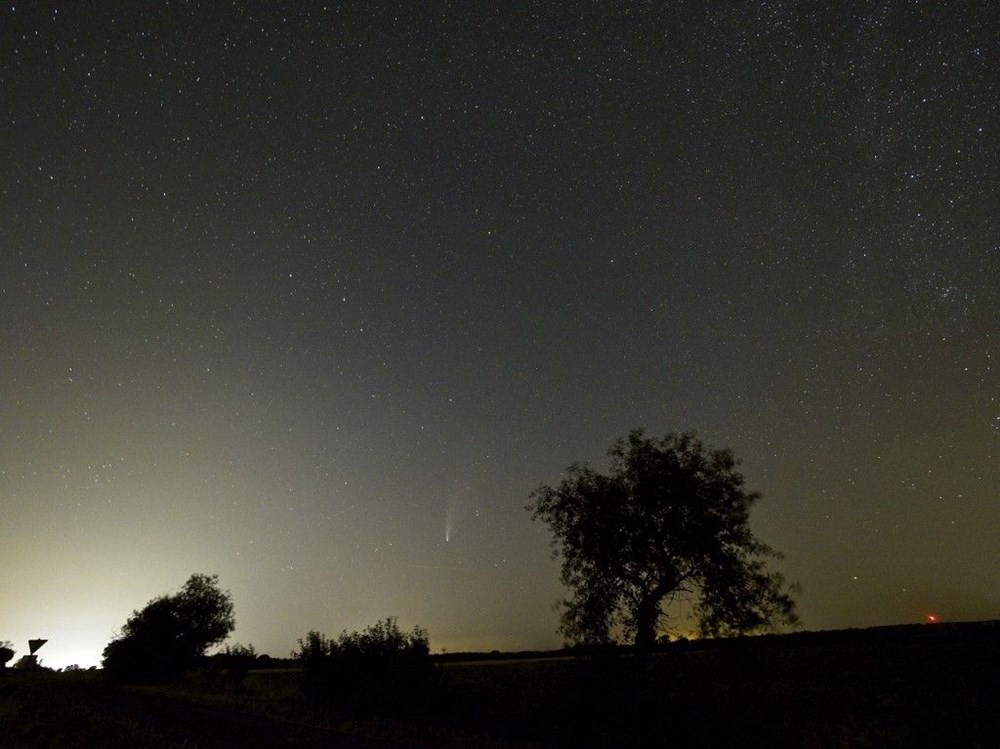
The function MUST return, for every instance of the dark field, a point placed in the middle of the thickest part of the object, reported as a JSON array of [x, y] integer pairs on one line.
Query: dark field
[[895, 687]]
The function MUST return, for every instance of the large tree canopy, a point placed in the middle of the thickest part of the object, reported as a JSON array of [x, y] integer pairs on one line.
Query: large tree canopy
[[669, 522], [163, 638]]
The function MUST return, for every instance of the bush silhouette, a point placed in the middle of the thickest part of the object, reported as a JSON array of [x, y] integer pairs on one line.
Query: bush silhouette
[[380, 669], [29, 663], [233, 662]]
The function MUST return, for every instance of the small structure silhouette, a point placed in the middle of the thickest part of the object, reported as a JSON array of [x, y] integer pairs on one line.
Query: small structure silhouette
[[30, 662]]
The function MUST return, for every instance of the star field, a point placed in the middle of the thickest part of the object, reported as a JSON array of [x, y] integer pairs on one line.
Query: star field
[[291, 294]]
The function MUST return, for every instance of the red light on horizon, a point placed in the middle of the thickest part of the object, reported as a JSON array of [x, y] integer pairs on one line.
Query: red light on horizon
[[932, 619]]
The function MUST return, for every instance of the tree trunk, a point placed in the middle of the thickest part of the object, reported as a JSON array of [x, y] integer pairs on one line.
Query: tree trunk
[[646, 616]]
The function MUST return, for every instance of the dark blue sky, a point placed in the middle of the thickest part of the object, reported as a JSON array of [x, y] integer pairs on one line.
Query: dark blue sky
[[287, 293]]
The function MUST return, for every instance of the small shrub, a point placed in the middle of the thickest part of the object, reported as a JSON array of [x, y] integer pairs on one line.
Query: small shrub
[[233, 662]]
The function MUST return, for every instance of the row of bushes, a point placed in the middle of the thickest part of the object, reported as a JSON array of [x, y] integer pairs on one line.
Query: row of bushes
[[380, 669]]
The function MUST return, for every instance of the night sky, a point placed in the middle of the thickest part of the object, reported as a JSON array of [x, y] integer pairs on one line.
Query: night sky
[[314, 297]]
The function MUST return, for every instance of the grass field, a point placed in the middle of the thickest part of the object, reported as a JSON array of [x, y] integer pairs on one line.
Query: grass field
[[927, 690], [856, 695], [63, 711]]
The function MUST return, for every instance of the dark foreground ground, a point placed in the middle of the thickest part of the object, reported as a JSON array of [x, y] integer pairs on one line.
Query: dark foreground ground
[[896, 687]]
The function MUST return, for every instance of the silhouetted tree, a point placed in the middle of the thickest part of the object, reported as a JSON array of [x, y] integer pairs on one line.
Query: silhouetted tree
[[668, 522], [165, 637], [6, 653]]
